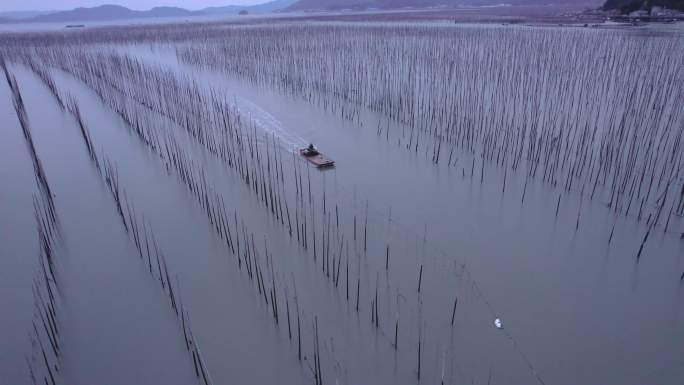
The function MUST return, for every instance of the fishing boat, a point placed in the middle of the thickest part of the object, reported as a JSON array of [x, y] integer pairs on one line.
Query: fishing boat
[[314, 157]]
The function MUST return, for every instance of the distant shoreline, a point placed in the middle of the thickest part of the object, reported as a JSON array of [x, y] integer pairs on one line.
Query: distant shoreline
[[556, 15]]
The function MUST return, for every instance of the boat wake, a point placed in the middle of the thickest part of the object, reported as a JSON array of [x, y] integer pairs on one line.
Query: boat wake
[[269, 124]]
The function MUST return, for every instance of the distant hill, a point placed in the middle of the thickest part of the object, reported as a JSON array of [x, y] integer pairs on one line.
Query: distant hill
[[21, 15], [627, 6], [314, 5], [110, 12], [117, 12], [271, 6]]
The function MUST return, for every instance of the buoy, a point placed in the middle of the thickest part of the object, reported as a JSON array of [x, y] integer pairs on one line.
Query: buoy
[[498, 324]]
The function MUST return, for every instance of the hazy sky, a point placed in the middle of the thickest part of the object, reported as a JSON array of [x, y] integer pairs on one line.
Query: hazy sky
[[40, 5]]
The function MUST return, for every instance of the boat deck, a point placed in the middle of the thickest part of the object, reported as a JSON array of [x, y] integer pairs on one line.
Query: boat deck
[[319, 160]]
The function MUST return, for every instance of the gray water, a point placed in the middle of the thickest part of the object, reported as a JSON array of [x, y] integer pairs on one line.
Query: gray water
[[575, 308]]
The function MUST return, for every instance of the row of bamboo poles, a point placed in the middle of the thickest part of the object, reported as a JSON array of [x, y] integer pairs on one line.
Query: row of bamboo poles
[[44, 360]]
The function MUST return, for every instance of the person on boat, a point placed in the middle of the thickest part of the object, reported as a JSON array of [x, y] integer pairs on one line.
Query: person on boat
[[311, 150]]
